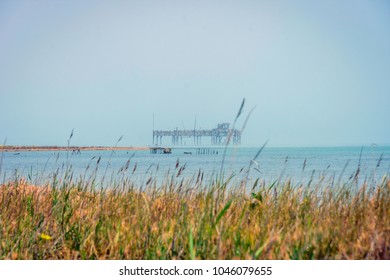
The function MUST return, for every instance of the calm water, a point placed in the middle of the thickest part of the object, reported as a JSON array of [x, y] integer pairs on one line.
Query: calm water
[[297, 164]]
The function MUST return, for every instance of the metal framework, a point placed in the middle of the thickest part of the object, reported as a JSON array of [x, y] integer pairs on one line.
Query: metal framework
[[219, 135]]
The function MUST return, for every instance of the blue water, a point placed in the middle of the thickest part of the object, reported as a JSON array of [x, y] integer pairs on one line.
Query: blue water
[[297, 164]]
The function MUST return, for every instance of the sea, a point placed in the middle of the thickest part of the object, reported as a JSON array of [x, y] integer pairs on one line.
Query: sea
[[331, 165]]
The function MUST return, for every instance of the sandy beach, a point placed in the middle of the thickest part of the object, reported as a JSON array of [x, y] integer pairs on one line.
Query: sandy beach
[[70, 148]]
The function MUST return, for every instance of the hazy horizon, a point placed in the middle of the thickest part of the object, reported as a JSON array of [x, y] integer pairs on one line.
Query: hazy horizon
[[318, 73]]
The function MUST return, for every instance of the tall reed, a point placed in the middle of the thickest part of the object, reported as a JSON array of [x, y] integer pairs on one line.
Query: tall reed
[[189, 218]]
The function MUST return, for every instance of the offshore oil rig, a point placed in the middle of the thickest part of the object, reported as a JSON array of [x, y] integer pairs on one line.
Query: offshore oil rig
[[218, 135]]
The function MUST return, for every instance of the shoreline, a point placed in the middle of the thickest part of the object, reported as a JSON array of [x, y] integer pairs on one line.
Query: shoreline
[[70, 148]]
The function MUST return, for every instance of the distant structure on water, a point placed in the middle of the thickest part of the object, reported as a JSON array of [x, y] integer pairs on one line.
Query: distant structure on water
[[160, 150], [218, 135]]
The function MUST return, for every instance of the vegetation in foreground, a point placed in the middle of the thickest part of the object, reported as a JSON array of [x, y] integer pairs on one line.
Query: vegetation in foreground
[[193, 220]]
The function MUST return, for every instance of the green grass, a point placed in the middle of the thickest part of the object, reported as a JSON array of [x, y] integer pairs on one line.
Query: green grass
[[179, 219]]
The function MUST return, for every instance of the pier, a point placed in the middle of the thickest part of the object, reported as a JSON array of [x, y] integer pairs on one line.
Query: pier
[[206, 151], [218, 135]]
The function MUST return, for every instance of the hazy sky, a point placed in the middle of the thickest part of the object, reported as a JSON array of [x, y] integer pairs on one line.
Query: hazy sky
[[318, 72]]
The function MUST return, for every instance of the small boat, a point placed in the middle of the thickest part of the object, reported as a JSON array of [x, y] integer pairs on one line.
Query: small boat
[[160, 150]]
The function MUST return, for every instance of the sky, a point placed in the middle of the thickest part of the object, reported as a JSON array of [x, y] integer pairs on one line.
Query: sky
[[317, 72]]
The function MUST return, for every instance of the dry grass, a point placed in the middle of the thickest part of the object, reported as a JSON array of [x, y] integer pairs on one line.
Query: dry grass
[[185, 220]]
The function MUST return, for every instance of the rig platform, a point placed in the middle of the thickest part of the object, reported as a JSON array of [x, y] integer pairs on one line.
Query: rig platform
[[218, 135]]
